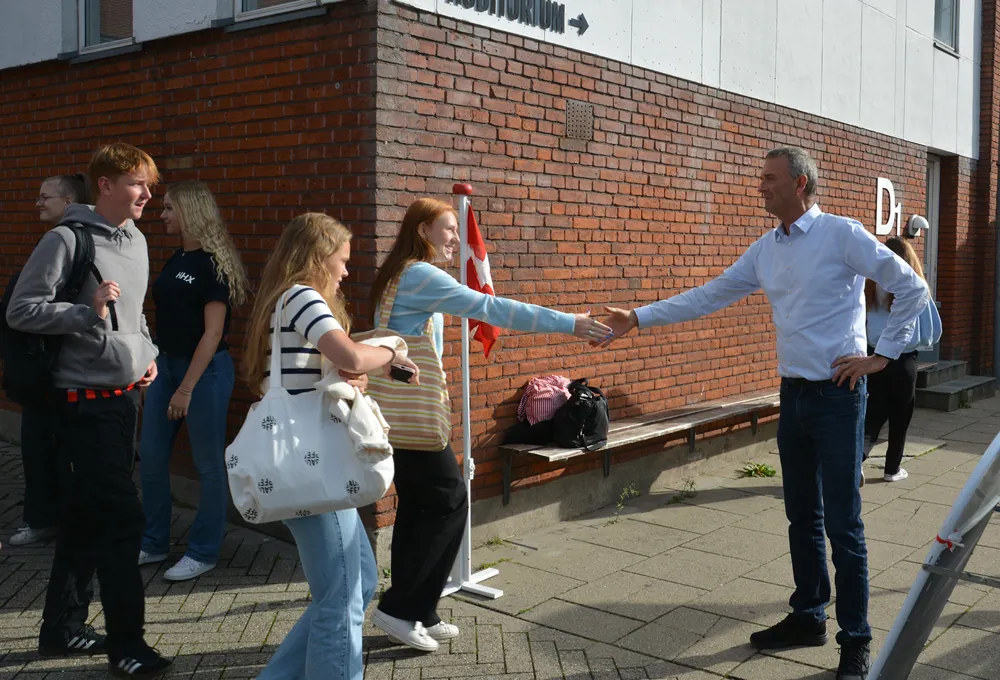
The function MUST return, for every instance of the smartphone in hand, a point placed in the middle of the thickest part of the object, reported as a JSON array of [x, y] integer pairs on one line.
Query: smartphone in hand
[[401, 373]]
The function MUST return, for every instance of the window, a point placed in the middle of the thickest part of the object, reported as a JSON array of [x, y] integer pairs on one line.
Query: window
[[946, 23], [105, 22], [251, 9]]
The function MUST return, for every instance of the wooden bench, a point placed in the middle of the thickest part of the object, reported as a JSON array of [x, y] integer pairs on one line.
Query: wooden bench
[[630, 431]]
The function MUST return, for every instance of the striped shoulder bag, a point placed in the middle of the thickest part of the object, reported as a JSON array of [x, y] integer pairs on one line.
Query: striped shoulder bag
[[419, 416]]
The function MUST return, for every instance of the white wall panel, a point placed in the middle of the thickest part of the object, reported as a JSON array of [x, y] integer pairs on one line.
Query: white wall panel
[[667, 37], [157, 19], [749, 45], [610, 32], [920, 16], [30, 31], [945, 109], [967, 120], [968, 13], [919, 83], [798, 82], [711, 42], [878, 71], [841, 97], [887, 7]]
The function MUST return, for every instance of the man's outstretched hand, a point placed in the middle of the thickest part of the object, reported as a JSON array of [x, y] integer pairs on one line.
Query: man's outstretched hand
[[620, 321]]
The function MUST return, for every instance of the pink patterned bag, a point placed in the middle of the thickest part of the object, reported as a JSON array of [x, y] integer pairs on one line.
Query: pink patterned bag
[[542, 397]]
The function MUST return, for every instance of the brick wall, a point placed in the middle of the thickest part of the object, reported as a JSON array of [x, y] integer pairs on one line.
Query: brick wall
[[662, 199], [276, 120]]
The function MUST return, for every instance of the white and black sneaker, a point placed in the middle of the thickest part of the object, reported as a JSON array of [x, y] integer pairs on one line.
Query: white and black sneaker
[[144, 663], [85, 642]]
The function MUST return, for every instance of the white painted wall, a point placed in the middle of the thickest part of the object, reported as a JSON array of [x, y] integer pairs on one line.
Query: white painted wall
[[30, 31], [871, 63]]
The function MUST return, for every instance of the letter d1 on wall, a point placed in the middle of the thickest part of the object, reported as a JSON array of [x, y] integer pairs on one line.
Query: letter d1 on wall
[[895, 217]]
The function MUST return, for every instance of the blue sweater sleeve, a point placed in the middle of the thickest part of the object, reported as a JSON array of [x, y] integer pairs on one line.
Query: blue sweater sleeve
[[428, 289]]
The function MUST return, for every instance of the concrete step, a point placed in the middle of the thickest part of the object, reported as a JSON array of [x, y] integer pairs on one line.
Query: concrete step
[[931, 374], [954, 394]]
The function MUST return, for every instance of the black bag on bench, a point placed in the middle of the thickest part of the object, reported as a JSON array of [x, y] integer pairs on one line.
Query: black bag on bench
[[582, 422]]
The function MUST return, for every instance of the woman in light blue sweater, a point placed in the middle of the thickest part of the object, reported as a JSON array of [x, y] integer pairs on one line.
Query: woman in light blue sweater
[[892, 391], [431, 499]]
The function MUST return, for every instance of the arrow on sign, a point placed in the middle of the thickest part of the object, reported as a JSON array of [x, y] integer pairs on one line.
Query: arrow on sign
[[580, 24]]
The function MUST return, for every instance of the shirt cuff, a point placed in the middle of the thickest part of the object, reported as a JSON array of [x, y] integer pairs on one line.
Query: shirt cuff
[[644, 315], [888, 348]]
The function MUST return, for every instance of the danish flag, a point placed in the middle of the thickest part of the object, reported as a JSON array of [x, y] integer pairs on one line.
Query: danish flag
[[477, 270]]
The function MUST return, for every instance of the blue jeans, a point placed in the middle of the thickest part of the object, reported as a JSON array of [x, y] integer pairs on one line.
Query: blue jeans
[[325, 643], [206, 423], [820, 436]]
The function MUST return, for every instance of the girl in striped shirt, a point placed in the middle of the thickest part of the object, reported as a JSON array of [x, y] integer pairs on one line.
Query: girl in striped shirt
[[430, 492], [310, 261]]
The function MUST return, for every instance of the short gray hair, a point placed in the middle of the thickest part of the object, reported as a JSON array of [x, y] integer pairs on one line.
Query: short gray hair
[[799, 163]]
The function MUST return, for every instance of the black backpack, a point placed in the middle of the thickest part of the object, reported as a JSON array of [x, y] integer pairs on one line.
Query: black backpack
[[29, 358], [582, 422]]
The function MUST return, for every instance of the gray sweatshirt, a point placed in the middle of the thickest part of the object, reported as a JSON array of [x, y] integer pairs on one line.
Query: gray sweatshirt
[[93, 355]]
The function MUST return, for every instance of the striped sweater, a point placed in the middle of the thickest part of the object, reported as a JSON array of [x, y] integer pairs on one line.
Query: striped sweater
[[428, 291], [306, 319]]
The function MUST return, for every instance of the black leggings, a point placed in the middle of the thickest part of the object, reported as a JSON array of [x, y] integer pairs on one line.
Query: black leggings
[[891, 396]]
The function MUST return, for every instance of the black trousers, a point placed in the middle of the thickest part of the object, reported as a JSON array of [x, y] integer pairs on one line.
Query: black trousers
[[431, 511], [892, 393], [101, 525], [38, 455]]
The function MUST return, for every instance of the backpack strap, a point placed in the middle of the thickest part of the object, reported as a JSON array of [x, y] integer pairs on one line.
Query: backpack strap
[[84, 256]]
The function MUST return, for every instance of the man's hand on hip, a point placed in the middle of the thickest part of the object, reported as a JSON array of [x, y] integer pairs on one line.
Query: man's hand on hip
[[852, 368]]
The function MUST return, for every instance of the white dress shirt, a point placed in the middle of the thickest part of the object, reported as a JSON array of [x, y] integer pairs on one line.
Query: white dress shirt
[[814, 277]]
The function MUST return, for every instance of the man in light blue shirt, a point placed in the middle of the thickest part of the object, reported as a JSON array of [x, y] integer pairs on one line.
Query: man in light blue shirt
[[813, 268]]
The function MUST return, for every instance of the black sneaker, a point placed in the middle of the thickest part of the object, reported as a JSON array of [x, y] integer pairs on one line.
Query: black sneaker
[[855, 661], [85, 642], [143, 663], [793, 631]]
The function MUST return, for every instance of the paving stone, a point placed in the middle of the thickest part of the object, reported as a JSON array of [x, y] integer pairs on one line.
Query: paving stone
[[637, 537], [583, 621], [746, 600], [579, 560], [696, 519], [965, 650], [633, 595], [744, 544], [762, 667], [523, 588], [693, 568]]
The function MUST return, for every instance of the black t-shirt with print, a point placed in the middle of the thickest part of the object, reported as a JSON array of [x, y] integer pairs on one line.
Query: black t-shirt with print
[[187, 283]]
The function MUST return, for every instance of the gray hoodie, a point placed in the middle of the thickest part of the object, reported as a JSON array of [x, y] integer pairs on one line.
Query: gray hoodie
[[93, 355]]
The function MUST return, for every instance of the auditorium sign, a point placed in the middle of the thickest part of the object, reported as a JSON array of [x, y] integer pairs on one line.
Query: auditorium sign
[[544, 14]]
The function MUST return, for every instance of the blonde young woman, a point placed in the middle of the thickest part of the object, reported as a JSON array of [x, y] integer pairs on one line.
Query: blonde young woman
[[431, 499], [194, 295], [309, 263], [892, 391]]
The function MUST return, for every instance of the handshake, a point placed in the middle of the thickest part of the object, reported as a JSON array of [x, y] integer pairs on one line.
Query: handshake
[[617, 323]]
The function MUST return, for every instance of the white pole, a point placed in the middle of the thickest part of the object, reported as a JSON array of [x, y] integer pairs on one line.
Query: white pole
[[461, 577]]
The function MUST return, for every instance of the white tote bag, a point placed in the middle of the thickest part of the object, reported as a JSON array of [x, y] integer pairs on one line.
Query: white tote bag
[[293, 458]]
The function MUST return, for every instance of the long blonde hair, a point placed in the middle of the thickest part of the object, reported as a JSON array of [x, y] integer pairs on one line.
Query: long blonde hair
[[907, 254], [298, 258], [410, 245], [199, 218]]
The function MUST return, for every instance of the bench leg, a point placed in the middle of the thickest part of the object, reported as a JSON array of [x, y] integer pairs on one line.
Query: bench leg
[[607, 462], [691, 437], [753, 423], [508, 463]]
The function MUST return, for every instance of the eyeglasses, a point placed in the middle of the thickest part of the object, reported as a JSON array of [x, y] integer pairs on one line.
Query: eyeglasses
[[42, 198]]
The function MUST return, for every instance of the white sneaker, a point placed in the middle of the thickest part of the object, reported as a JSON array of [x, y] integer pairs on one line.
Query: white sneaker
[[409, 633], [186, 569], [26, 535], [898, 477], [150, 558], [443, 631], [862, 477]]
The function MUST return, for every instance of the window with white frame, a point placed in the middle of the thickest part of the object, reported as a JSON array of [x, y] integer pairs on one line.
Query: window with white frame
[[946, 23], [105, 22], [250, 9]]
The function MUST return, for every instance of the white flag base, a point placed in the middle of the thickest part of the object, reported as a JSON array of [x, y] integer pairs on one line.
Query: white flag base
[[472, 585]]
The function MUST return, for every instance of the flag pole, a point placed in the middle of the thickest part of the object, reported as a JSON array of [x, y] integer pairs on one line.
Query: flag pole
[[461, 577]]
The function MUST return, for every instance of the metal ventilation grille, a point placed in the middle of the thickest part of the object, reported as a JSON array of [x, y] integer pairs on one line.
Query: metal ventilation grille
[[579, 120]]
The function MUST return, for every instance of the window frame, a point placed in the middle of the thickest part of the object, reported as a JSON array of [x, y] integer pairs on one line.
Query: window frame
[[955, 26], [83, 33], [292, 6]]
